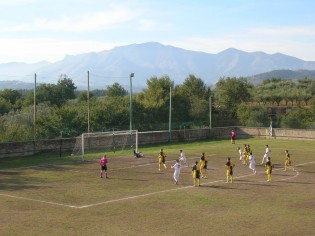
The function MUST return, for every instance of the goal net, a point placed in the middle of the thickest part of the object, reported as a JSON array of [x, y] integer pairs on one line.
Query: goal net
[[105, 142]]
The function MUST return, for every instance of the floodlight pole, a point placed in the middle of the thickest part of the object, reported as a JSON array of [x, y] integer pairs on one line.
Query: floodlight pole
[[34, 112], [170, 116], [131, 76], [210, 111], [88, 102]]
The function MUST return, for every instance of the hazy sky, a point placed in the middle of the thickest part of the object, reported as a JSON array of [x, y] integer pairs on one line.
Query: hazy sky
[[36, 30]]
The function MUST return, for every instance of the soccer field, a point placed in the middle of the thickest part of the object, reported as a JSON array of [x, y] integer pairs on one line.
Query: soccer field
[[66, 197]]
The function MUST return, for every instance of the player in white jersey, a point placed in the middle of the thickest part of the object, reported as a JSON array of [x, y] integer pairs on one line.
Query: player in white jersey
[[252, 162], [240, 151], [176, 167], [182, 157], [266, 155]]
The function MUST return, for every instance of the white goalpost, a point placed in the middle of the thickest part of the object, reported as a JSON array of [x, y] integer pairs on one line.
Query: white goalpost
[[105, 141]]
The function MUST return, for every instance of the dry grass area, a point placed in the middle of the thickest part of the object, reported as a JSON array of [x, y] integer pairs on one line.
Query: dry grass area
[[70, 199]]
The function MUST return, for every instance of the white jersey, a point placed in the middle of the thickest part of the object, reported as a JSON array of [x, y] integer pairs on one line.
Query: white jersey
[[177, 167], [267, 152], [240, 152], [252, 163], [183, 157], [252, 159]]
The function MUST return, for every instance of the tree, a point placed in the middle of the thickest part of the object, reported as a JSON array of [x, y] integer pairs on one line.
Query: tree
[[5, 106], [155, 100], [294, 119], [16, 126], [65, 90], [110, 112], [83, 96], [157, 93], [252, 116], [195, 94], [53, 94], [230, 92], [13, 96], [116, 90]]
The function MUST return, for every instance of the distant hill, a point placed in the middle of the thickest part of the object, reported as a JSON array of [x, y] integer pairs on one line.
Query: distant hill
[[16, 85], [282, 74], [151, 59]]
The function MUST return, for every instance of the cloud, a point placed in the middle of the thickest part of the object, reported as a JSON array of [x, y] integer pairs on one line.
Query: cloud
[[16, 2], [284, 31], [146, 25], [92, 21], [39, 49]]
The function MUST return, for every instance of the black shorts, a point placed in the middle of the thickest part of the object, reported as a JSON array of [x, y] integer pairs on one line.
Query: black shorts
[[104, 167], [197, 174]]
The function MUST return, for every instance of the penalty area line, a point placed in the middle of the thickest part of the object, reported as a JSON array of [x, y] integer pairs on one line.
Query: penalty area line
[[36, 200]]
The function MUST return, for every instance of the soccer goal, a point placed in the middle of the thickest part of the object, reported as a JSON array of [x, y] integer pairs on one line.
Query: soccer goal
[[105, 141]]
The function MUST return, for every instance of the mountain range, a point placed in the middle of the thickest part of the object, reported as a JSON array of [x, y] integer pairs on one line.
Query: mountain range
[[150, 59]]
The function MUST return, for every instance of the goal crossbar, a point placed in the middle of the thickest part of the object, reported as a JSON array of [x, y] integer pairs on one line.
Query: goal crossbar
[[112, 134]]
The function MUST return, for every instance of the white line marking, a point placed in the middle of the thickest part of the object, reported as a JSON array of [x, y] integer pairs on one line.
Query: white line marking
[[143, 195], [296, 175], [36, 200]]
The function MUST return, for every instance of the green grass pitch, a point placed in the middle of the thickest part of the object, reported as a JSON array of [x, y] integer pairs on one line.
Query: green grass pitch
[[48, 195]]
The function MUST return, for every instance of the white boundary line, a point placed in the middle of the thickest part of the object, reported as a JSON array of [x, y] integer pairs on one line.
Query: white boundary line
[[142, 195], [36, 200]]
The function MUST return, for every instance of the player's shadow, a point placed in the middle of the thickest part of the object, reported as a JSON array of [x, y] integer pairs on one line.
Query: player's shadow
[[217, 187], [305, 183], [253, 183], [129, 179]]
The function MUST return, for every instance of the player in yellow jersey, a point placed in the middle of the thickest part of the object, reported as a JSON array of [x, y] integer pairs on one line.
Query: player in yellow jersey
[[246, 155], [196, 173], [229, 165], [162, 156], [268, 166], [203, 165], [287, 161]]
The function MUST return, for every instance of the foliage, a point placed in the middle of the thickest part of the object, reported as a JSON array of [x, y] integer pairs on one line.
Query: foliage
[[16, 126], [5, 106], [229, 92], [53, 94], [299, 118], [252, 116], [235, 102], [116, 90], [197, 95], [83, 96]]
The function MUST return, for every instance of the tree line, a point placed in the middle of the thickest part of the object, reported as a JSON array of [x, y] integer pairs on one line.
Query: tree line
[[62, 111]]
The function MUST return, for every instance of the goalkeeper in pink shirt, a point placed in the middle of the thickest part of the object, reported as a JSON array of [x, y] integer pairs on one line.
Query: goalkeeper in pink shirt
[[103, 164]]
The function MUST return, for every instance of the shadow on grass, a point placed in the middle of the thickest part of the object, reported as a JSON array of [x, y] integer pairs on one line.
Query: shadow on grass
[[216, 186], [13, 181], [129, 179]]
